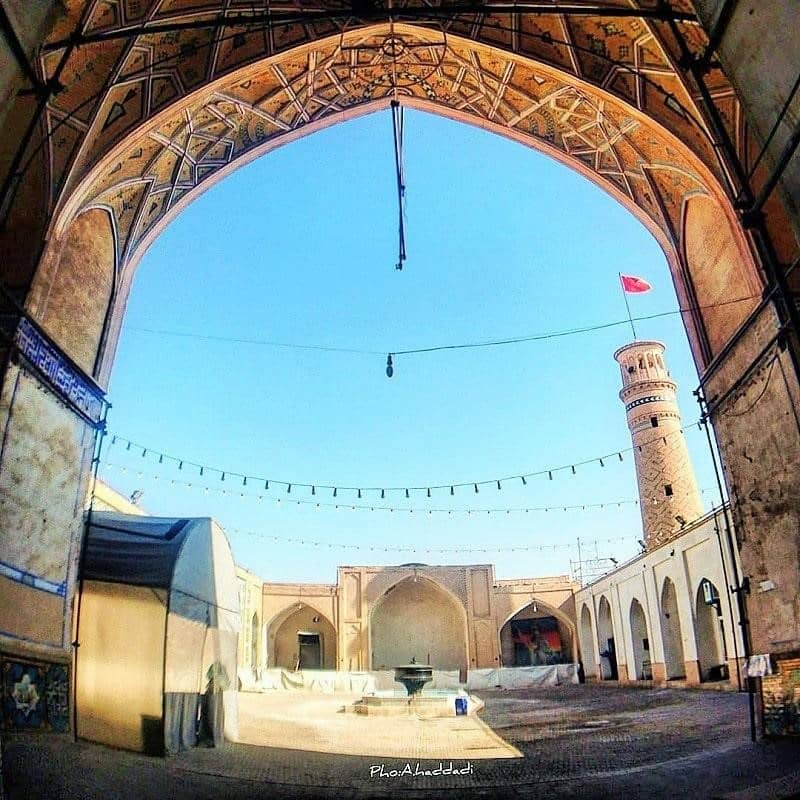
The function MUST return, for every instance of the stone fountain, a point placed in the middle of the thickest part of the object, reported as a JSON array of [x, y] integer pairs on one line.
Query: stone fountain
[[437, 703], [414, 677]]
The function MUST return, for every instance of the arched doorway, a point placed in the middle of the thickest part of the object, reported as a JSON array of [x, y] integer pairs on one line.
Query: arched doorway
[[588, 658], [708, 632], [605, 641], [640, 641], [536, 635], [671, 632], [417, 619], [302, 638]]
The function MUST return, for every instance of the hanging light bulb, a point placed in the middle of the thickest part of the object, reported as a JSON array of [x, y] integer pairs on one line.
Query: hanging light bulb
[[389, 367]]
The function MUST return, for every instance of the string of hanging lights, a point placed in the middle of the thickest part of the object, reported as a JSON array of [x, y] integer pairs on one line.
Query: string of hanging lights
[[235, 492], [270, 484], [428, 550]]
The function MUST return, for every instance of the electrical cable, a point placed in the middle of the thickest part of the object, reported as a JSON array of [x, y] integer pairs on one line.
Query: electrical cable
[[434, 348]]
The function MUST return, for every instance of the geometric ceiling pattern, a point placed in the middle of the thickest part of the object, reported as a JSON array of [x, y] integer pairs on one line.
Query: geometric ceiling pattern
[[145, 182], [151, 111]]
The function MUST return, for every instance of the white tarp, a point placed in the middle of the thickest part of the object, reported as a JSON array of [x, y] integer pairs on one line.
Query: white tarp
[[323, 681], [329, 682], [521, 677]]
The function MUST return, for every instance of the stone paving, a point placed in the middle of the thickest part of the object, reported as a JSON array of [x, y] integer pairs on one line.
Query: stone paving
[[303, 721], [596, 742]]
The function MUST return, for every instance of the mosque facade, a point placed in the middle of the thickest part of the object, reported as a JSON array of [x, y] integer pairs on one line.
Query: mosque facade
[[669, 616]]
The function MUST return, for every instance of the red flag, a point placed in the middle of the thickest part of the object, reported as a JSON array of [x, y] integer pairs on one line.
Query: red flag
[[634, 285]]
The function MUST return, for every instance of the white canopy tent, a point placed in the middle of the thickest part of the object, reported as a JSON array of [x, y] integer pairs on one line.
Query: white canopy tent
[[157, 629]]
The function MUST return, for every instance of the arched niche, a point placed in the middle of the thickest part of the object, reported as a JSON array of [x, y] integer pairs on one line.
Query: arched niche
[[671, 632], [74, 289], [536, 635], [587, 642], [605, 641], [708, 631], [640, 641], [302, 638], [720, 271], [416, 618]]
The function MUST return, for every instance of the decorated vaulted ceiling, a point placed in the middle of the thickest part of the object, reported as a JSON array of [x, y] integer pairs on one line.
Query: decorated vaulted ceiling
[[147, 117]]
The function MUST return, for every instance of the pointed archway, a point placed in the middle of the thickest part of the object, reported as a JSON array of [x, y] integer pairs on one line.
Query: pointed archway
[[640, 642], [418, 619], [671, 632], [708, 631], [302, 638], [588, 658], [605, 641], [536, 635]]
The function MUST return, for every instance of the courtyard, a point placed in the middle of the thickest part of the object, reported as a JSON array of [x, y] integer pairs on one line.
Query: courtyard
[[575, 741]]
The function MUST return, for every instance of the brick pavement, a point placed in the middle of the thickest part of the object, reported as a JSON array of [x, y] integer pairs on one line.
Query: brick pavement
[[594, 742]]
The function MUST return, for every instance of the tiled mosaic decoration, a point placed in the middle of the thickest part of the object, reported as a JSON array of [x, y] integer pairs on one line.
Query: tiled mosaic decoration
[[35, 696]]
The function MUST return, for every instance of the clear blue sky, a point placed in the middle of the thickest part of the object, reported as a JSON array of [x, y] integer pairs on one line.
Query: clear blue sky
[[300, 247]]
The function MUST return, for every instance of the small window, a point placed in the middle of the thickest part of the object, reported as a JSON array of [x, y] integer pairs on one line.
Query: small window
[[654, 421], [668, 490]]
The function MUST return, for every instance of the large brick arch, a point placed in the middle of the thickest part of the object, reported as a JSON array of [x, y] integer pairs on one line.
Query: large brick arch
[[149, 113], [136, 112]]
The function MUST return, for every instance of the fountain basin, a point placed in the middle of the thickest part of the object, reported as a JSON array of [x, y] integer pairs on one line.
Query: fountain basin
[[413, 677], [438, 703]]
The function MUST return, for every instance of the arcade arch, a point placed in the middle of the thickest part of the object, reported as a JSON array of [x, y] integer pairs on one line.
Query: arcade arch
[[418, 619], [301, 637], [605, 641], [640, 643], [671, 632], [588, 658], [708, 631], [537, 634]]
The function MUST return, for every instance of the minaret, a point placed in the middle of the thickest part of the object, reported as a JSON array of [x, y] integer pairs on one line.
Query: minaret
[[668, 493]]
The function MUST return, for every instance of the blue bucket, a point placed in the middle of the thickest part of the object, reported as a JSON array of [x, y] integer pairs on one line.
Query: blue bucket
[[461, 706]]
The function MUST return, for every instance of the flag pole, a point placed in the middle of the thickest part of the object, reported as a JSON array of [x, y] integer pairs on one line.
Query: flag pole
[[625, 298]]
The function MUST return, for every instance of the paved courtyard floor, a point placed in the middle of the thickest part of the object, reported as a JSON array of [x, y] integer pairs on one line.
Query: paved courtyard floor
[[326, 723], [605, 742]]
